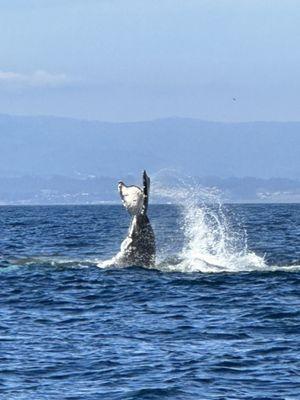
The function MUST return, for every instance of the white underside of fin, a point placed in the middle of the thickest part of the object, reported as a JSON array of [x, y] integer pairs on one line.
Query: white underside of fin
[[132, 198]]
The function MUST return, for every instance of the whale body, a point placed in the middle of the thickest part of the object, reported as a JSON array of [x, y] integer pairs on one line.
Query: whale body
[[138, 248]]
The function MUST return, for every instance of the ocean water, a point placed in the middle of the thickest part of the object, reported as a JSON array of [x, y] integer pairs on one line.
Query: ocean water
[[217, 318]]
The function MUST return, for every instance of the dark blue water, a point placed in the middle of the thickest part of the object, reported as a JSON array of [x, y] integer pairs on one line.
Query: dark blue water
[[72, 330]]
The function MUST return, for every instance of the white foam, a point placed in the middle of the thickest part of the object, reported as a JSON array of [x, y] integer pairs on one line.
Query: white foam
[[210, 244]]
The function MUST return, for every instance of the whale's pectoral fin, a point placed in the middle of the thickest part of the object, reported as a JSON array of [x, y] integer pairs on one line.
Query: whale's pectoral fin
[[132, 198], [146, 191]]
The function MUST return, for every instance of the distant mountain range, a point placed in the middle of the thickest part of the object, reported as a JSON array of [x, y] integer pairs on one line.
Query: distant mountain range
[[61, 160]]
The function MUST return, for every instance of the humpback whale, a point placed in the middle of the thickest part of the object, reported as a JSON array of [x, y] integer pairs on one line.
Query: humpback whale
[[138, 248]]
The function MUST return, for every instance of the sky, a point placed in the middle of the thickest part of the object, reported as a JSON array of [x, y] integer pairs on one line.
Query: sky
[[129, 60]]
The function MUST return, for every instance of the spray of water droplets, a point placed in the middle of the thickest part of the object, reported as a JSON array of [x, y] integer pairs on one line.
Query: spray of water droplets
[[211, 244]]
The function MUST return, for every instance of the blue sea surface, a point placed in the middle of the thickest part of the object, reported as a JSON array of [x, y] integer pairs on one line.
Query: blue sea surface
[[72, 329]]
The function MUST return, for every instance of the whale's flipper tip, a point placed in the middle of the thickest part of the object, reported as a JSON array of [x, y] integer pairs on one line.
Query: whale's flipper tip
[[146, 191], [146, 182]]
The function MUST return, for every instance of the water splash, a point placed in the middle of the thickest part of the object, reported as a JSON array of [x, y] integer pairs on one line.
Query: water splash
[[211, 244]]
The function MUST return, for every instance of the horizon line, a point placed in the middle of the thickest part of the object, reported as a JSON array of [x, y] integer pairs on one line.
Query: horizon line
[[172, 117]]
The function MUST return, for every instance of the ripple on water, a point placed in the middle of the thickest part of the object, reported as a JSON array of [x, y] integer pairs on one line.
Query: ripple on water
[[70, 330]]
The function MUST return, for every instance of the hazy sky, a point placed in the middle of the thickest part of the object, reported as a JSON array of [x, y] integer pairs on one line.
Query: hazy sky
[[123, 60]]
